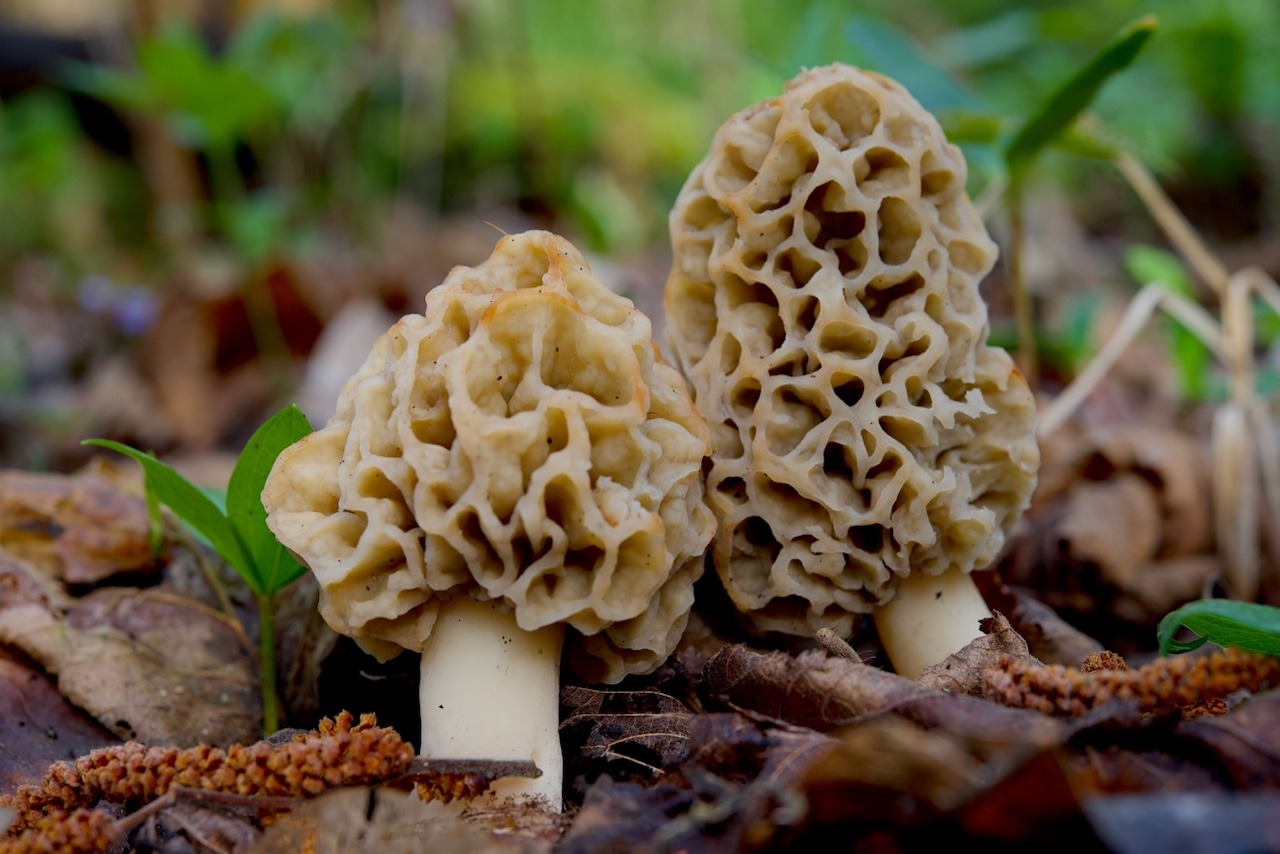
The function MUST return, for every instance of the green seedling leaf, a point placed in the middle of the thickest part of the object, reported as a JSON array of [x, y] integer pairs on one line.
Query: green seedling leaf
[[1244, 625], [274, 567], [189, 503], [219, 498], [1191, 358], [155, 524], [887, 48], [966, 126], [1062, 108]]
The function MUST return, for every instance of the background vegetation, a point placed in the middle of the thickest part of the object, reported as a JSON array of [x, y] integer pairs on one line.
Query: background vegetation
[[243, 162]]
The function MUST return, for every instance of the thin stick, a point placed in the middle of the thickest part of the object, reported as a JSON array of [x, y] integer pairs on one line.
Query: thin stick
[[1023, 309], [836, 645], [1141, 307], [267, 656], [1175, 226]]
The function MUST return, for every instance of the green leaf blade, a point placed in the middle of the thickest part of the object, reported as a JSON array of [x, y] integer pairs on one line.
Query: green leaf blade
[[1244, 625], [189, 503], [1062, 108], [275, 568]]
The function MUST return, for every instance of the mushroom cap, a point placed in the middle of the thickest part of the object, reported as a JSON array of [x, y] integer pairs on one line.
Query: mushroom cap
[[823, 303], [521, 441]]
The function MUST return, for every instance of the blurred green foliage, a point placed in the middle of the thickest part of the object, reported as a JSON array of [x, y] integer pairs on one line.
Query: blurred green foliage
[[593, 113]]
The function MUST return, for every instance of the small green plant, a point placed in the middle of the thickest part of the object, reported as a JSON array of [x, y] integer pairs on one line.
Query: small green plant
[[1244, 625], [239, 533], [1050, 124]]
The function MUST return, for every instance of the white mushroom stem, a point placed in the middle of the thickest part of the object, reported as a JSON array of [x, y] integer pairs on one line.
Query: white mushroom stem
[[491, 690], [930, 617]]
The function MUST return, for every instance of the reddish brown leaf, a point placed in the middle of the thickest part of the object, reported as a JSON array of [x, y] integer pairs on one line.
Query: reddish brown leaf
[[1246, 741], [37, 725]]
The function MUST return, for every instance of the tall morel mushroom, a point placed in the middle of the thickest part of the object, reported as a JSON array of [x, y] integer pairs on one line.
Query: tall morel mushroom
[[869, 447], [514, 463]]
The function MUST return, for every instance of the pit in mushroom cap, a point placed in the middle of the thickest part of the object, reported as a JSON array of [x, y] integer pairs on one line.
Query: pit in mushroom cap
[[520, 442], [823, 303]]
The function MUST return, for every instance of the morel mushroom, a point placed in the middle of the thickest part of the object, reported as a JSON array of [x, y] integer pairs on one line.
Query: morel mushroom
[[515, 462], [869, 447]]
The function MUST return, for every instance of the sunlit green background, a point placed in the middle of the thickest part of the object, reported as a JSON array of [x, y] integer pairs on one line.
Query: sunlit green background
[[270, 136]]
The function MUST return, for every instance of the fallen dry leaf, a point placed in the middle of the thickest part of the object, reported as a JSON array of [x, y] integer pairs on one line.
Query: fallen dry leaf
[[961, 672], [37, 724], [1049, 638], [1246, 741], [1187, 821], [1112, 526], [80, 529], [361, 820], [823, 694], [628, 732], [148, 665], [625, 816]]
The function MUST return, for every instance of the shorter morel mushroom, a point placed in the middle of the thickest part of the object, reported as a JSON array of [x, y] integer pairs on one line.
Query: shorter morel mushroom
[[512, 472], [869, 448]]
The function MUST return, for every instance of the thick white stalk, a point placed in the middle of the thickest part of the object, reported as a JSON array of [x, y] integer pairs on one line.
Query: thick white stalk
[[491, 690], [931, 617]]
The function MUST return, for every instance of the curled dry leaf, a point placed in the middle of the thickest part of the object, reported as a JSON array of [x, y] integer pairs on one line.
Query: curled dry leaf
[[1050, 638], [1124, 524], [80, 529], [961, 672], [825, 693], [147, 665]]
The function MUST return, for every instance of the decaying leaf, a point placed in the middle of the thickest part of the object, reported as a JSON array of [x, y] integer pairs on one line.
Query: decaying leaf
[[1246, 742], [361, 820], [1049, 638], [1112, 525], [303, 642], [1122, 526], [642, 731], [80, 529], [961, 672], [147, 665], [1187, 821], [825, 693], [624, 816], [37, 724], [183, 826]]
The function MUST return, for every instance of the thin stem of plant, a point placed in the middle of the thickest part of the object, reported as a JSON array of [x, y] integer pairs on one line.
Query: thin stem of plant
[[1175, 226], [267, 659], [1155, 295], [1024, 313]]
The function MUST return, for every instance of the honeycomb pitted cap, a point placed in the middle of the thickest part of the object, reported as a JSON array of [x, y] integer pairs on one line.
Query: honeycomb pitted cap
[[823, 303], [520, 441]]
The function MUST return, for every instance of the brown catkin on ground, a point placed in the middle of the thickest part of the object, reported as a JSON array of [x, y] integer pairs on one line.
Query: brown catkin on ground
[[336, 754], [1192, 686]]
